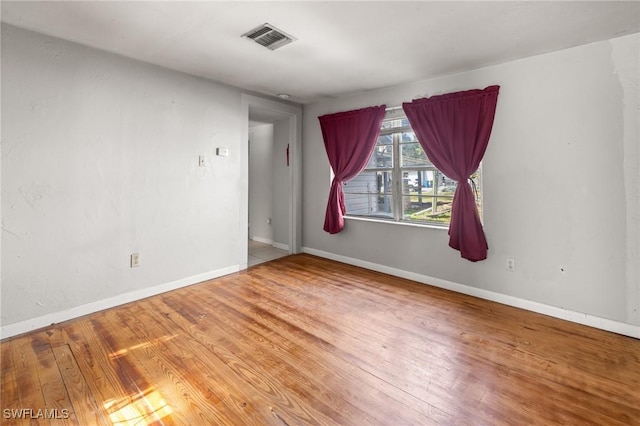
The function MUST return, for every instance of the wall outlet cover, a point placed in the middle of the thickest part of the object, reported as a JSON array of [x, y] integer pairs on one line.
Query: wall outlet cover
[[511, 264]]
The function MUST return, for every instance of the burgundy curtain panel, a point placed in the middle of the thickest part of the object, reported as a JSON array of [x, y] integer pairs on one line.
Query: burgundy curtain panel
[[454, 131], [349, 138]]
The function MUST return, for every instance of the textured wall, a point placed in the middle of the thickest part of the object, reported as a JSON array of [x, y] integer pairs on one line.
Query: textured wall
[[560, 184], [100, 160], [281, 184], [260, 182]]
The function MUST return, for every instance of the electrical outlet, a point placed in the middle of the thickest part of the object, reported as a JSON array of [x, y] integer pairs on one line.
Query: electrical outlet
[[511, 264], [202, 161], [135, 260]]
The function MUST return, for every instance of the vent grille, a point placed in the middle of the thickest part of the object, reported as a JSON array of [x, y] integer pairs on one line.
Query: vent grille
[[269, 36]]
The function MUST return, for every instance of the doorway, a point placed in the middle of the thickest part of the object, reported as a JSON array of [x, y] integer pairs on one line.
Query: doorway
[[271, 161], [269, 188]]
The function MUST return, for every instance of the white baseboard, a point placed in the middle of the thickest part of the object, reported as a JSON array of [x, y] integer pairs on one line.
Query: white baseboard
[[281, 246], [271, 243], [262, 240], [15, 329], [553, 311]]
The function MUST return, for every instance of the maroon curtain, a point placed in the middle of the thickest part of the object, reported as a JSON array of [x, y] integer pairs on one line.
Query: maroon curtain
[[454, 131], [349, 138]]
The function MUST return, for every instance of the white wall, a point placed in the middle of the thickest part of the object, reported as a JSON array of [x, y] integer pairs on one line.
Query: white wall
[[260, 183], [561, 192], [281, 184], [269, 187], [100, 160]]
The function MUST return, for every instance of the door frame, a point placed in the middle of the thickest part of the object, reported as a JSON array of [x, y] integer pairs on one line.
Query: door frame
[[292, 113]]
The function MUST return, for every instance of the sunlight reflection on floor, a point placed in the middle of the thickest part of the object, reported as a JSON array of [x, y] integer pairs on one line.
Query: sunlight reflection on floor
[[123, 351], [140, 409]]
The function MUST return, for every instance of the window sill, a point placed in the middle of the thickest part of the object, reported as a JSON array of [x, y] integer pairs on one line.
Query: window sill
[[394, 222]]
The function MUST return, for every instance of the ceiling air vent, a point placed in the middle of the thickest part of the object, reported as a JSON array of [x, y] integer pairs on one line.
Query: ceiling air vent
[[269, 36]]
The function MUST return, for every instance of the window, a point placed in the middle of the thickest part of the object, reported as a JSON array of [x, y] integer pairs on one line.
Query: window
[[399, 182]]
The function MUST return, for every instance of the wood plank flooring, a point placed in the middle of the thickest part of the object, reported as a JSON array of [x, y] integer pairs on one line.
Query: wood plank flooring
[[307, 341]]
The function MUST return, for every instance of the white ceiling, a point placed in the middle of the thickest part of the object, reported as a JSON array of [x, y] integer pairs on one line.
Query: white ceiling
[[258, 116], [341, 48]]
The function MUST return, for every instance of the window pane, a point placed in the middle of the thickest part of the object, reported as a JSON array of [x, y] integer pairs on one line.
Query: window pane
[[475, 185], [369, 205], [444, 185], [425, 194], [409, 137], [370, 182], [395, 123], [387, 124], [369, 194], [432, 201], [381, 157], [385, 140], [412, 154], [417, 181], [427, 208]]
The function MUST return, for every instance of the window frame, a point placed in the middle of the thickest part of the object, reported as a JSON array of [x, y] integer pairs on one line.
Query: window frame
[[397, 178]]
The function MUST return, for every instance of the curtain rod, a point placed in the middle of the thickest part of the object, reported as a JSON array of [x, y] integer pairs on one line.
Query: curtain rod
[[393, 108]]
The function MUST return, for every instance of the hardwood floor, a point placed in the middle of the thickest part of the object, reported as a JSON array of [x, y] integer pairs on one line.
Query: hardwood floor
[[307, 341]]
